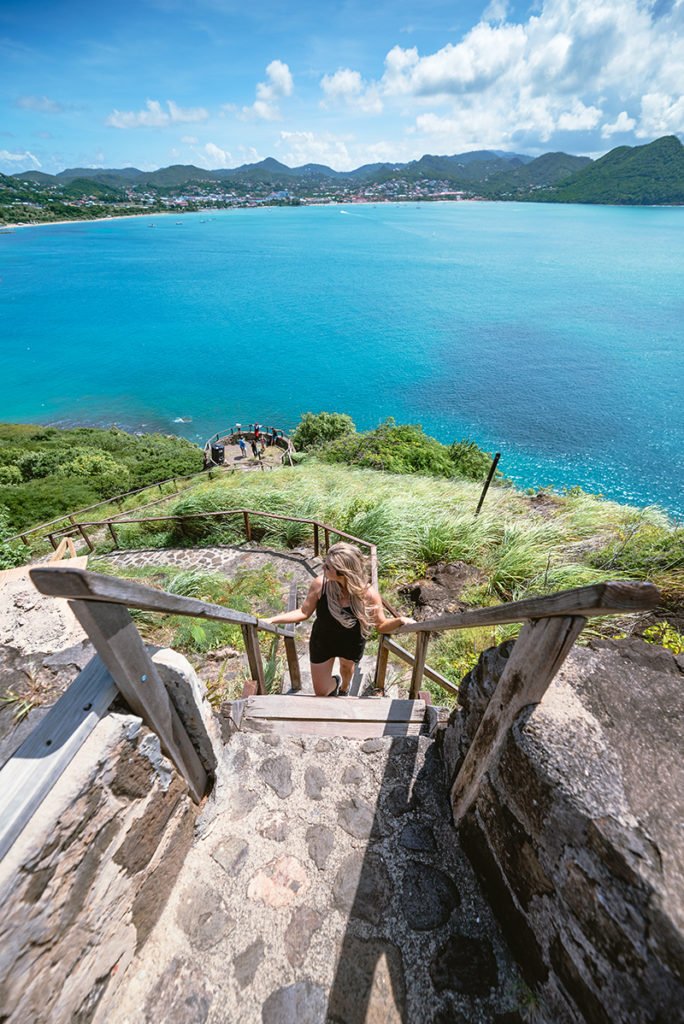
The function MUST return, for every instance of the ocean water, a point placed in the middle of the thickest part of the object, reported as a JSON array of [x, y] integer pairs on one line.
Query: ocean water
[[553, 334]]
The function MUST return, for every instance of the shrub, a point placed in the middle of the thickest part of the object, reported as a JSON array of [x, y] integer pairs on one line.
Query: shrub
[[10, 475], [665, 635], [12, 553], [470, 461], [315, 429], [105, 474], [394, 448]]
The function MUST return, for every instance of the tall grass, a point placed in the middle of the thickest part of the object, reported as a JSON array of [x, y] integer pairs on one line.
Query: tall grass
[[417, 521]]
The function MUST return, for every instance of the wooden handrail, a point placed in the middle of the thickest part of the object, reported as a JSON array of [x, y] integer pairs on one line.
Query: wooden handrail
[[33, 769], [231, 512], [598, 599], [81, 585], [245, 513]]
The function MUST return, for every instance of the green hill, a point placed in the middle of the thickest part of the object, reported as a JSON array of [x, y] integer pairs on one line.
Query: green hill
[[80, 187], [522, 180], [640, 175]]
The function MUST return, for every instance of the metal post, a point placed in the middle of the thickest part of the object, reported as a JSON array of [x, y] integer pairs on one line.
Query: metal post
[[492, 471]]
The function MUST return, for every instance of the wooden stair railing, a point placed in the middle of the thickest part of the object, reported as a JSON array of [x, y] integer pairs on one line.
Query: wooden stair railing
[[101, 604], [553, 623]]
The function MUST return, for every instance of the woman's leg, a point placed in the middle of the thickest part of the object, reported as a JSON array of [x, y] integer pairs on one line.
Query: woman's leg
[[346, 671], [321, 677]]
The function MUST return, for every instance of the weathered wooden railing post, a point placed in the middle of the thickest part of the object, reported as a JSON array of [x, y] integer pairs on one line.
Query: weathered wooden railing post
[[374, 565], [422, 641], [113, 533], [116, 639], [326, 535], [248, 528], [381, 664], [538, 653], [86, 538], [290, 645], [317, 546], [250, 636]]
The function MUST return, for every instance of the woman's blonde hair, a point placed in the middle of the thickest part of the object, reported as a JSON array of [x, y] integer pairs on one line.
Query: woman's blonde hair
[[348, 561]]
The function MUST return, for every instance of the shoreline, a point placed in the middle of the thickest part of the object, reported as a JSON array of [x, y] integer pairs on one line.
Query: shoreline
[[84, 220], [6, 228]]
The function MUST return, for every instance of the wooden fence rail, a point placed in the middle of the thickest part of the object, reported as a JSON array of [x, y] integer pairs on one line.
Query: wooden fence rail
[[70, 517], [247, 515]]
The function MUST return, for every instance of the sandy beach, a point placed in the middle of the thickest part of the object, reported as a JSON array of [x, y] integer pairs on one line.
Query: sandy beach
[[89, 220]]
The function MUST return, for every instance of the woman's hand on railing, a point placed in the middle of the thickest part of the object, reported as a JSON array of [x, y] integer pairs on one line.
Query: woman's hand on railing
[[390, 625]]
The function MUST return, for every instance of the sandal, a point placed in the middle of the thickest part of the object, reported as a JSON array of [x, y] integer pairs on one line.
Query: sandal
[[336, 691]]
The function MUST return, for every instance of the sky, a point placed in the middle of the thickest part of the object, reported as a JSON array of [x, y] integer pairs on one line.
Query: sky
[[219, 83]]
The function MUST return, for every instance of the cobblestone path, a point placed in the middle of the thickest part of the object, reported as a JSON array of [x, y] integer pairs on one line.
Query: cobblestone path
[[325, 885]]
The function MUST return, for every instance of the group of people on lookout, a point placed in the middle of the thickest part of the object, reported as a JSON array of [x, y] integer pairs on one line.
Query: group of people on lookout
[[259, 440], [347, 607]]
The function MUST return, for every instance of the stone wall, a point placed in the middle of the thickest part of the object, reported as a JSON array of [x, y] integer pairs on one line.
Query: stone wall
[[87, 879], [577, 832]]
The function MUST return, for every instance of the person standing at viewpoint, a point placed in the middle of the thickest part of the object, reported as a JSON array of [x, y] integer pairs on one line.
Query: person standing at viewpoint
[[347, 607]]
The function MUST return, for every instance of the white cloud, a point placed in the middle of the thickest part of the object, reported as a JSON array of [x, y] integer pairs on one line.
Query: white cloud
[[278, 84], [43, 104], [661, 115], [347, 86], [213, 157], [154, 116], [309, 148], [496, 10], [186, 115], [571, 66], [578, 118], [189, 140], [26, 158], [484, 55], [622, 123]]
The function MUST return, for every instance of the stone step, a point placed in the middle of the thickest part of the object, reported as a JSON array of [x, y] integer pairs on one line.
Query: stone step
[[351, 717]]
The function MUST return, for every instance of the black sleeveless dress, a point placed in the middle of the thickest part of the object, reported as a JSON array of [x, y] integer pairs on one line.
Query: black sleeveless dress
[[330, 639]]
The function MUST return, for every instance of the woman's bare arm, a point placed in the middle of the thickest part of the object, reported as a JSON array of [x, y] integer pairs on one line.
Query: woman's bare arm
[[305, 611], [381, 623]]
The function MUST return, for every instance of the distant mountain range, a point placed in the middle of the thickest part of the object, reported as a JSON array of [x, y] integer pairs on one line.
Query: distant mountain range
[[652, 173]]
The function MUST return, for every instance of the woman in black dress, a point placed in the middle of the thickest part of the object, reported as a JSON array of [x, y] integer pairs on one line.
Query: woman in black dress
[[346, 608]]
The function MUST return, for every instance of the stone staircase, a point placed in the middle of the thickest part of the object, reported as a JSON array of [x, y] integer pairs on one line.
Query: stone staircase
[[325, 884]]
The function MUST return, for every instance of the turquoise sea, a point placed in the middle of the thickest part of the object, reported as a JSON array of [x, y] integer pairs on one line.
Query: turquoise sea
[[553, 334]]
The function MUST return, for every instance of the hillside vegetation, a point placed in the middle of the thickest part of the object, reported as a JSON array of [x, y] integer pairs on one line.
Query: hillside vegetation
[[640, 175], [394, 447], [47, 471], [524, 544]]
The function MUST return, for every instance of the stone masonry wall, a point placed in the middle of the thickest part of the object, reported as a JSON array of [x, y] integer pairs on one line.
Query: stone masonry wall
[[577, 832], [87, 879]]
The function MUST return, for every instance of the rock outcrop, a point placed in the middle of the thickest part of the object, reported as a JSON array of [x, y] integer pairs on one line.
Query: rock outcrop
[[86, 880], [577, 832]]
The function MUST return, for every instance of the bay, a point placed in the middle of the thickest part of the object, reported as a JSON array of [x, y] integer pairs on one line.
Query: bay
[[550, 333]]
